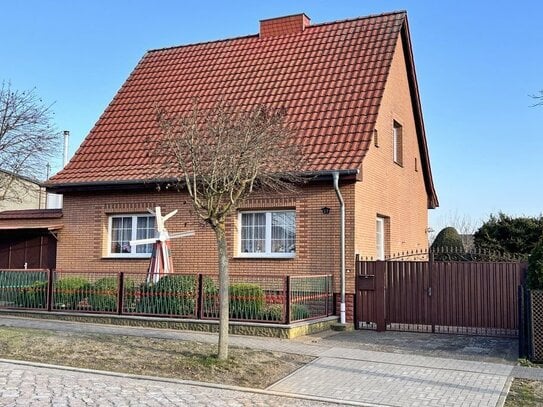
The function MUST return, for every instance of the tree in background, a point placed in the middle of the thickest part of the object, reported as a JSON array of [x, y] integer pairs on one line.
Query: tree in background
[[448, 238], [538, 98], [447, 245], [28, 138], [220, 156], [464, 225], [535, 267], [506, 234]]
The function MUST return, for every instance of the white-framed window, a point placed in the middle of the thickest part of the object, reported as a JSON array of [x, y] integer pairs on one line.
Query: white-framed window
[[379, 238], [124, 228], [267, 233], [397, 142]]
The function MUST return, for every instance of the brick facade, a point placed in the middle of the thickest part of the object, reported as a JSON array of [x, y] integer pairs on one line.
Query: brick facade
[[394, 192], [83, 240]]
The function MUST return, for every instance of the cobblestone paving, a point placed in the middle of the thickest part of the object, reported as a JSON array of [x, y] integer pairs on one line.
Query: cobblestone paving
[[22, 385]]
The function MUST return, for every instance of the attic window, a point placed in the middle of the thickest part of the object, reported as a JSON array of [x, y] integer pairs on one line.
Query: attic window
[[397, 142], [375, 138]]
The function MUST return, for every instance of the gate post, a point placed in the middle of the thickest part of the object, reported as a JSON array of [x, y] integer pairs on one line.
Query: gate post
[[120, 293], [50, 281], [357, 313], [380, 304], [431, 291]]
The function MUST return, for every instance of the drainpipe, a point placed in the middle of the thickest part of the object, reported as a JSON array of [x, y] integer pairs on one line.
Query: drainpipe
[[335, 176]]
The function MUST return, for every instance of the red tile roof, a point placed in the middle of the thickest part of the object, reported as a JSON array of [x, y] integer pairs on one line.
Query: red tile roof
[[330, 78]]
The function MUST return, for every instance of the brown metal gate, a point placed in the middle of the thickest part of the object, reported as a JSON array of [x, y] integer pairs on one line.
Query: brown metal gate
[[465, 297], [28, 249]]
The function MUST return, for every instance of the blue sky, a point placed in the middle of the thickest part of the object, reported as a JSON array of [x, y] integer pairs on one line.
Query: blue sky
[[477, 63]]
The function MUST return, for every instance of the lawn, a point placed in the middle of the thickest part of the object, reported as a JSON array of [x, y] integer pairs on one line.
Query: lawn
[[148, 356], [525, 393]]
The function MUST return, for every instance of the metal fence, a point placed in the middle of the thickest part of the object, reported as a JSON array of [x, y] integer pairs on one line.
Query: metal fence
[[531, 324], [257, 298], [464, 297]]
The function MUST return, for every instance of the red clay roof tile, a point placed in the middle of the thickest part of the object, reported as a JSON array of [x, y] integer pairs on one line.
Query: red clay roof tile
[[330, 77]]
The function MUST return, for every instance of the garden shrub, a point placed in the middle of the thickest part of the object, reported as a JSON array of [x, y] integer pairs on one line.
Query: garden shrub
[[211, 298], [246, 301], [13, 283], [33, 296], [103, 294], [299, 311], [448, 246], [69, 291], [448, 239], [272, 312], [171, 295], [535, 267]]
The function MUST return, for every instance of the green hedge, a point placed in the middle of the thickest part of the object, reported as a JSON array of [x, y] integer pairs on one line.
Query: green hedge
[[246, 301], [69, 291], [299, 311], [103, 294], [13, 283], [32, 296], [535, 267], [171, 295], [272, 312]]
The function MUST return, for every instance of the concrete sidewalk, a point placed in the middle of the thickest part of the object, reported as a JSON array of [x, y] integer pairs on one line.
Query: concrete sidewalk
[[345, 375]]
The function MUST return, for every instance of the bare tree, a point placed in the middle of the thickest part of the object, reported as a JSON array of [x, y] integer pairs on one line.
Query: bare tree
[[28, 138], [220, 156], [539, 98]]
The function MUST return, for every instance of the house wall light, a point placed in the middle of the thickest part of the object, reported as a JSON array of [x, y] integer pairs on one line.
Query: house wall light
[[325, 210]]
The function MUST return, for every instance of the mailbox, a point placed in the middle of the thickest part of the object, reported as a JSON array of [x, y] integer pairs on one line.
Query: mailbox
[[366, 282]]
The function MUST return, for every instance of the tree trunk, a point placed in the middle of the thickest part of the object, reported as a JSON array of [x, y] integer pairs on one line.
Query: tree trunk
[[224, 284]]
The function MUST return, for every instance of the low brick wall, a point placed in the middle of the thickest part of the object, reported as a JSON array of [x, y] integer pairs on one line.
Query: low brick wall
[[238, 328]]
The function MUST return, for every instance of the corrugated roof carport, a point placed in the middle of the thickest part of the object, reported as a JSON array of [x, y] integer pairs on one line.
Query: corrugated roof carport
[[28, 239]]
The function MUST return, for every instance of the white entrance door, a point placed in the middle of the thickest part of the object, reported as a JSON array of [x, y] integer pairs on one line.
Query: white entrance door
[[380, 238]]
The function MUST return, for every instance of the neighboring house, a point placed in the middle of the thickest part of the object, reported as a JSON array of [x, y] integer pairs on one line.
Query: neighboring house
[[349, 86], [29, 219], [20, 192]]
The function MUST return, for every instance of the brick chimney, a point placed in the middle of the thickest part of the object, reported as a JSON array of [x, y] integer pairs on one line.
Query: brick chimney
[[283, 25]]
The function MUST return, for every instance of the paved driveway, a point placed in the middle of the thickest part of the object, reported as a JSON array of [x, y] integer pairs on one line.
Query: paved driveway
[[468, 347], [400, 379]]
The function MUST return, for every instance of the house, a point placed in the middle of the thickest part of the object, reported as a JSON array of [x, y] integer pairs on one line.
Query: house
[[27, 228], [351, 88], [20, 192]]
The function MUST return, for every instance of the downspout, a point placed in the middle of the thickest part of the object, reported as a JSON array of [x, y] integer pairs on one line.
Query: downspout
[[335, 176]]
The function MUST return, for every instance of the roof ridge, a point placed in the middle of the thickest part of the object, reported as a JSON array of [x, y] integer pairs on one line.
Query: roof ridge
[[22, 176], [347, 20], [240, 37]]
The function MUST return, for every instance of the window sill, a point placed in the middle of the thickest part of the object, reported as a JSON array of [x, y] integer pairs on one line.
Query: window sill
[[125, 257], [254, 256]]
